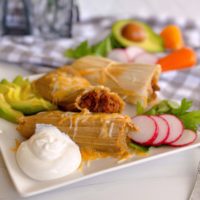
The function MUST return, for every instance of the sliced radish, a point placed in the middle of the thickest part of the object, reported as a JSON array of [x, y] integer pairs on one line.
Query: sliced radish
[[119, 55], [132, 52], [188, 137], [175, 128], [147, 130], [146, 58], [163, 131]]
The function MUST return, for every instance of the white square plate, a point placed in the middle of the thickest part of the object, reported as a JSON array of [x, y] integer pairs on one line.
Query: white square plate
[[28, 187]]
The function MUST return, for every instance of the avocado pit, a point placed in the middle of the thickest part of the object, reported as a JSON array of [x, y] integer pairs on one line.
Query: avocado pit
[[133, 32]]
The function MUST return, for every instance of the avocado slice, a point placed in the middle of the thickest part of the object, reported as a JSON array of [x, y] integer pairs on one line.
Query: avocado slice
[[37, 105], [28, 106], [20, 95], [6, 111], [20, 81], [152, 42]]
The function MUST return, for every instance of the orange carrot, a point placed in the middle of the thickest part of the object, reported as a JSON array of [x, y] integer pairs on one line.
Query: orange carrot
[[179, 59], [172, 37]]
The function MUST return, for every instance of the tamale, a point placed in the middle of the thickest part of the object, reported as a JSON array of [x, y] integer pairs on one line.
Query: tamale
[[71, 92], [133, 82], [56, 85], [106, 133]]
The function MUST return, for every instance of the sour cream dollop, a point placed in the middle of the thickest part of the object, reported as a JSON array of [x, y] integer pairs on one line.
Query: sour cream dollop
[[48, 154]]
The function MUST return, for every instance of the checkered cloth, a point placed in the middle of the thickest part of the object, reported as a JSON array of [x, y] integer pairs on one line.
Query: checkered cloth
[[38, 55], [181, 84]]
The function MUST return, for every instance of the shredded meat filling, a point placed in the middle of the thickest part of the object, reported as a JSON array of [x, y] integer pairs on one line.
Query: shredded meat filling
[[100, 102]]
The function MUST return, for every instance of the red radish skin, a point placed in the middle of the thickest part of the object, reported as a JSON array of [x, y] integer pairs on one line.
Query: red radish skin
[[119, 55], [163, 131], [175, 128], [148, 130], [188, 137]]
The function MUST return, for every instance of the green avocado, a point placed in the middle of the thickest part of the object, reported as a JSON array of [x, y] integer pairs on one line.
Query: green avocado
[[28, 106], [152, 42], [20, 95], [6, 111], [20, 81]]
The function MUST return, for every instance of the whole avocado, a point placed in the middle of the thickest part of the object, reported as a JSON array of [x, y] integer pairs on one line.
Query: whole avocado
[[135, 33]]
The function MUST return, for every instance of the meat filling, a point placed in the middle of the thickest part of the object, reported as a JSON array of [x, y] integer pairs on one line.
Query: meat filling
[[100, 102]]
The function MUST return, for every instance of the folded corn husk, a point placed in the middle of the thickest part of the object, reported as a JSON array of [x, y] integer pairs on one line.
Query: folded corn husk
[[100, 132], [56, 85], [133, 82], [71, 92]]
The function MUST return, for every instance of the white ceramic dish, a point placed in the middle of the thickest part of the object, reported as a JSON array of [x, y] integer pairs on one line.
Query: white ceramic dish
[[28, 187]]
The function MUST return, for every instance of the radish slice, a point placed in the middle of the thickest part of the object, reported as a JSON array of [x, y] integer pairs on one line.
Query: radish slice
[[132, 52], [175, 128], [146, 58], [188, 137], [147, 130], [163, 130], [119, 55]]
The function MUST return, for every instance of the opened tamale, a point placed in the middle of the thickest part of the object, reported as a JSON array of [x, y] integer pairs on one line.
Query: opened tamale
[[101, 132], [71, 92], [133, 82]]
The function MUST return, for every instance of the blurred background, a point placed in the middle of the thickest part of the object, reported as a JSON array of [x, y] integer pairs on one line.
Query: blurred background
[[174, 8], [35, 34], [55, 15]]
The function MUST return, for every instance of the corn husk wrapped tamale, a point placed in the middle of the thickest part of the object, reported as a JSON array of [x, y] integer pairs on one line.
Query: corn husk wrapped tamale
[[71, 92], [106, 133], [133, 82]]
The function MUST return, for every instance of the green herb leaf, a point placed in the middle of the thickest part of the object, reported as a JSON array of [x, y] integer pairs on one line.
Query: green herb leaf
[[139, 108], [82, 50], [114, 42], [158, 109], [103, 47], [183, 108], [173, 104], [139, 147], [100, 49], [191, 120]]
